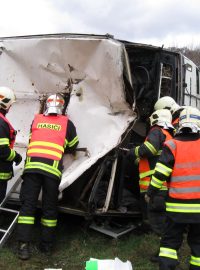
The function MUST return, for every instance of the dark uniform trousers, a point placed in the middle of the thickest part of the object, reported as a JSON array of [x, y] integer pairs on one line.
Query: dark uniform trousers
[[173, 239], [3, 188], [157, 212], [30, 190]]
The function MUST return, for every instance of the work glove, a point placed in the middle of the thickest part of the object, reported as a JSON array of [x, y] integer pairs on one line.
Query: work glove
[[17, 159]]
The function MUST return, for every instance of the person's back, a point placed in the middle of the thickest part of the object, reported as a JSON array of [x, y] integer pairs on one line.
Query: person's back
[[179, 166], [52, 135], [148, 153]]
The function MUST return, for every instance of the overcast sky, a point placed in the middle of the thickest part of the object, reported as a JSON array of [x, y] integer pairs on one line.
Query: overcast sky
[[156, 22]]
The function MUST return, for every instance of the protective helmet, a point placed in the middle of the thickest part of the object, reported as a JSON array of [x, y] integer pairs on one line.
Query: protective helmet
[[167, 103], [189, 119], [7, 98], [161, 118], [54, 104]]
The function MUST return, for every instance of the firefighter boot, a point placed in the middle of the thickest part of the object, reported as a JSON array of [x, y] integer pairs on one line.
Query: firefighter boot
[[23, 250]]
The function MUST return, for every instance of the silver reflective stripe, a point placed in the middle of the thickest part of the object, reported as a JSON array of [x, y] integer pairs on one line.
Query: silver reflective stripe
[[171, 144], [185, 190], [185, 178], [192, 165]]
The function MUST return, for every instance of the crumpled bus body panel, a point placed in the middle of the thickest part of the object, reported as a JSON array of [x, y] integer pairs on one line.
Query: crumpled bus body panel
[[91, 68]]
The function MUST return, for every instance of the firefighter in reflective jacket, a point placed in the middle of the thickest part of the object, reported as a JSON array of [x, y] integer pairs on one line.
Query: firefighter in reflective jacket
[[179, 165], [148, 153], [52, 135], [169, 103], [7, 139]]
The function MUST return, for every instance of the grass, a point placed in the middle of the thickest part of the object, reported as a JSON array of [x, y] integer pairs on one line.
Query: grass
[[76, 244]]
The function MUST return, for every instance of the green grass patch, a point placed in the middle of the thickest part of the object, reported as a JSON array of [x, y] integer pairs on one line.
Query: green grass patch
[[76, 244]]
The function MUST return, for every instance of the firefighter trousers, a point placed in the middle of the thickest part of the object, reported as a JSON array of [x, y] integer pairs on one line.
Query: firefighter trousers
[[32, 184], [172, 240]]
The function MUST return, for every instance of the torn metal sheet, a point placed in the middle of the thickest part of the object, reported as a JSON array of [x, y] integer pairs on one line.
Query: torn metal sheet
[[92, 69]]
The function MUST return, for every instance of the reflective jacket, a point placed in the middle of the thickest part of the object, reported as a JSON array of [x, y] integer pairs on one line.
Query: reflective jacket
[[185, 177], [12, 131], [50, 138], [145, 168], [179, 165], [7, 153]]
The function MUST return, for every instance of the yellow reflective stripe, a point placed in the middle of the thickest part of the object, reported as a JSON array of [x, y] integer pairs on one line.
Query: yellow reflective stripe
[[26, 220], [195, 260], [12, 155], [66, 143], [168, 252], [4, 141], [156, 182], [49, 222], [151, 147], [42, 143], [44, 151], [44, 167], [159, 152], [164, 187], [5, 176], [56, 163], [148, 173], [137, 151], [144, 183], [163, 169], [182, 207], [73, 142]]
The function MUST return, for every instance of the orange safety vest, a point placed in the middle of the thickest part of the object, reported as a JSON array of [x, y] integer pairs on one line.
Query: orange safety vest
[[12, 131], [176, 121], [185, 177], [48, 136], [145, 172]]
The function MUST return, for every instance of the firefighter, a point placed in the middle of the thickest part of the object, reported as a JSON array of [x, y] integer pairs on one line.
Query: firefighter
[[148, 153], [169, 103], [52, 135], [7, 139], [179, 165]]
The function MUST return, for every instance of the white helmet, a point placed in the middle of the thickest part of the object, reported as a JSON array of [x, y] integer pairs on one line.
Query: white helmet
[[189, 118], [166, 103], [161, 118], [7, 98], [54, 104]]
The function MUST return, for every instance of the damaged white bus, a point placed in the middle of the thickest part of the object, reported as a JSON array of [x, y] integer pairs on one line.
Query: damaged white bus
[[112, 85]]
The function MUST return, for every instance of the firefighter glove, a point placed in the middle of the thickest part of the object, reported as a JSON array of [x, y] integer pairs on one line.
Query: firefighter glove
[[17, 159]]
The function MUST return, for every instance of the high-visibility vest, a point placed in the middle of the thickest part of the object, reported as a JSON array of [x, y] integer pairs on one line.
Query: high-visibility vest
[[12, 131], [145, 172], [185, 177], [48, 136]]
